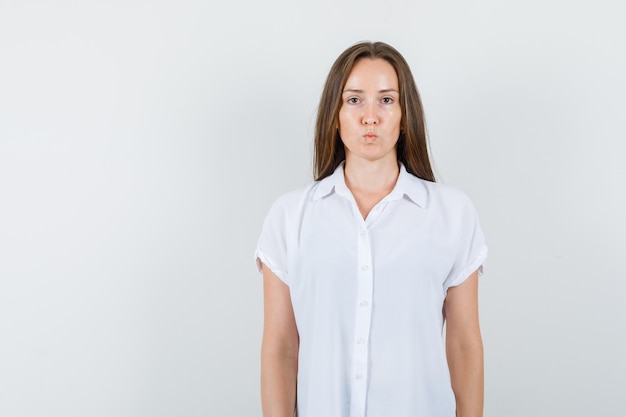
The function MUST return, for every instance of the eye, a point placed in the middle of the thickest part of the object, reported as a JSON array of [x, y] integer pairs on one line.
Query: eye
[[386, 100], [353, 100]]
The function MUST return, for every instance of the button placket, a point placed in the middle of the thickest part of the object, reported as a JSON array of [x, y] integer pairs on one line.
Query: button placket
[[362, 323]]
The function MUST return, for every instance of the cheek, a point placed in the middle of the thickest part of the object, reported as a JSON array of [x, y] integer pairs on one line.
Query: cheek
[[343, 120], [396, 118]]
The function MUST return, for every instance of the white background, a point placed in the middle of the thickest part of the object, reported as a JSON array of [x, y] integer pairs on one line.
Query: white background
[[142, 142]]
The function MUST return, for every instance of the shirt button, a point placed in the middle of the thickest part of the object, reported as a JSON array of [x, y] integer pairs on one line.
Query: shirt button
[[363, 233], [364, 268], [359, 376], [360, 340], [364, 303]]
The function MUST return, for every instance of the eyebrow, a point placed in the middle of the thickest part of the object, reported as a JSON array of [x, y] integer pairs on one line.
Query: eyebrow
[[387, 90]]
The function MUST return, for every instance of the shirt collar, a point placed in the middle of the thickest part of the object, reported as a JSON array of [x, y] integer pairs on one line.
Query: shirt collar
[[407, 185], [335, 182]]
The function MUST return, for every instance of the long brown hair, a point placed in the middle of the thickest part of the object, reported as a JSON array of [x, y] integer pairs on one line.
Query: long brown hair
[[412, 147]]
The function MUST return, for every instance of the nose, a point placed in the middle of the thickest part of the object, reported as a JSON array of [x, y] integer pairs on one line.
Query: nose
[[370, 114]]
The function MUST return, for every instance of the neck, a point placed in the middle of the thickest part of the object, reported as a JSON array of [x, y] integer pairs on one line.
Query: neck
[[372, 177]]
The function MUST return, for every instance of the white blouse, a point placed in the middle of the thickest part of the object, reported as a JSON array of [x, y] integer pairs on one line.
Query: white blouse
[[368, 294]]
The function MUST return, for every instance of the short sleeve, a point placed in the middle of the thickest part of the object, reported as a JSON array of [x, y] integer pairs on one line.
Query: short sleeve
[[471, 250], [271, 248]]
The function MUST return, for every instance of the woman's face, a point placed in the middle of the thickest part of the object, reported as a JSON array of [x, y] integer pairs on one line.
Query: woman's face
[[370, 114]]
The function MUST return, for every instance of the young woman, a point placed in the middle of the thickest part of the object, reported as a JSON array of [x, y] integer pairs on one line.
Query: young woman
[[362, 267]]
